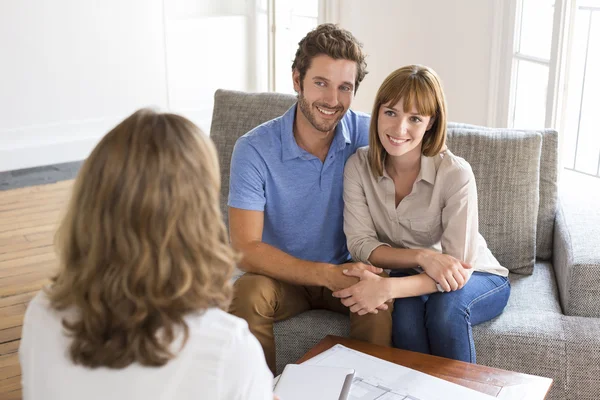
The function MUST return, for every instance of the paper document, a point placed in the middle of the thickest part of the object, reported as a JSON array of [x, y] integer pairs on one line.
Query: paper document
[[382, 380], [314, 382]]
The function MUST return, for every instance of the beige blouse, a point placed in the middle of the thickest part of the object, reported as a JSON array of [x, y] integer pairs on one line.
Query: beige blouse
[[440, 213]]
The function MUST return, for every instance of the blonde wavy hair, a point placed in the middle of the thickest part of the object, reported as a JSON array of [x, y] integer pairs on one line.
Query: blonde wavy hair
[[142, 243]]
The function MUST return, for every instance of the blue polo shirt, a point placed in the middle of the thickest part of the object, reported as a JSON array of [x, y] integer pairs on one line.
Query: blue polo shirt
[[301, 197]]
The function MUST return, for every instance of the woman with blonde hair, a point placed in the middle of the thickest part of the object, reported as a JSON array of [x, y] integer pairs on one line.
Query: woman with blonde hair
[[136, 310], [411, 206]]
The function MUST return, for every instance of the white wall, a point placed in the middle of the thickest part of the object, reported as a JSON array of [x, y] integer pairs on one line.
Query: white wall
[[72, 69], [452, 37]]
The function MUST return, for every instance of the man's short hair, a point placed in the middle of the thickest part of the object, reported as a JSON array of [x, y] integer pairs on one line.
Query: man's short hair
[[333, 41]]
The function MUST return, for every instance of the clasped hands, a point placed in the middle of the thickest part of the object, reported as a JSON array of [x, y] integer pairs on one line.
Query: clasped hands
[[373, 291]]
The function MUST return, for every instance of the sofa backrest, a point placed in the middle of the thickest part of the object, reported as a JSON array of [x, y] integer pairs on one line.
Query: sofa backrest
[[506, 168], [517, 191], [548, 186], [234, 114]]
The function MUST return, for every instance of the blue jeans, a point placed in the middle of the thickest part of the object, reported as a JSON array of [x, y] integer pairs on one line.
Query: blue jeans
[[440, 323]]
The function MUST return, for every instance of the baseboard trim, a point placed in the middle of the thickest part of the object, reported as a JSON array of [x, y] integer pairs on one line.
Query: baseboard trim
[[47, 154]]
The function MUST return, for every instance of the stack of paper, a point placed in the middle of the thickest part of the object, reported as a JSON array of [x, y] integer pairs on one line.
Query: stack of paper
[[375, 378]]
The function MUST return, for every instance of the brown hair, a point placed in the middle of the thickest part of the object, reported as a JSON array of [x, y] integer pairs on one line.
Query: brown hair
[[335, 42], [142, 243], [419, 87]]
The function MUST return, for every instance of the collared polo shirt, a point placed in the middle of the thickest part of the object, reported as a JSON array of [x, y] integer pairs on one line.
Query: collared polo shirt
[[301, 197], [440, 213]]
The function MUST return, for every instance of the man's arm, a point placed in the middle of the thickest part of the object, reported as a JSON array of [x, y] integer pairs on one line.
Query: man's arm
[[246, 228]]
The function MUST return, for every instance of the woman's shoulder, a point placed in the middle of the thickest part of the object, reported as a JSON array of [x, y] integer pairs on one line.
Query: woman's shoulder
[[215, 318], [360, 156], [359, 160], [218, 325], [451, 166], [215, 334], [358, 167], [40, 301], [40, 306]]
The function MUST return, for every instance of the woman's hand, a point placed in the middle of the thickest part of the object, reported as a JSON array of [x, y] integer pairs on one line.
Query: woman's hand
[[366, 296], [446, 270], [337, 280]]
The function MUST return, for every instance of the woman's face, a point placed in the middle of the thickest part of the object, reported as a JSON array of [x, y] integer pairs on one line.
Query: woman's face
[[400, 131]]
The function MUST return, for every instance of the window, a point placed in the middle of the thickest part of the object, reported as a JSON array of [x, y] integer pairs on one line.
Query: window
[[555, 75], [279, 25], [245, 45], [292, 21], [581, 150], [531, 63]]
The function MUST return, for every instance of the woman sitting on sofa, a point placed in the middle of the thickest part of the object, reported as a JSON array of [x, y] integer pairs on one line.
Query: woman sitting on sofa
[[411, 206], [137, 308]]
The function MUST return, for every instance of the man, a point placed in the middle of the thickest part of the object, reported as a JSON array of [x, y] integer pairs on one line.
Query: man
[[285, 196]]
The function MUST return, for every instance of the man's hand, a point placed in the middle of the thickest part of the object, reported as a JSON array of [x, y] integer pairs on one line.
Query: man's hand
[[446, 270], [338, 280], [368, 295]]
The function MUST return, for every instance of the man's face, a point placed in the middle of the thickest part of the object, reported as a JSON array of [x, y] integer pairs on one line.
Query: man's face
[[326, 93]]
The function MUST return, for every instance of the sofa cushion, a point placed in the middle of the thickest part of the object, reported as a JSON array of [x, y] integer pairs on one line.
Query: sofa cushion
[[583, 357], [295, 336], [576, 256], [529, 336], [234, 114], [548, 187], [506, 168], [531, 324]]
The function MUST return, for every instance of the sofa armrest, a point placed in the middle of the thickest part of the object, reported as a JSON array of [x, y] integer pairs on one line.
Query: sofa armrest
[[576, 260]]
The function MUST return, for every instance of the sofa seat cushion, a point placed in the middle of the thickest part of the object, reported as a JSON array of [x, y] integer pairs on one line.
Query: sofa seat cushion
[[583, 357], [295, 336], [535, 293], [529, 336], [533, 313]]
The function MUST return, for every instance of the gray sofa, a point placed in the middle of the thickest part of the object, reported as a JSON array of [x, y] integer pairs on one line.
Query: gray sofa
[[551, 325]]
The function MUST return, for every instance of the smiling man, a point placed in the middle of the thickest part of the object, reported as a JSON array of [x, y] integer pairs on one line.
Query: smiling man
[[285, 196]]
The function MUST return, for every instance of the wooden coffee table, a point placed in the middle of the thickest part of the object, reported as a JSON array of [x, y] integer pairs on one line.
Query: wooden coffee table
[[495, 382]]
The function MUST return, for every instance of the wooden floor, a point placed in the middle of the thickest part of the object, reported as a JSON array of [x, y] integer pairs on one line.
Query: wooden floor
[[28, 219]]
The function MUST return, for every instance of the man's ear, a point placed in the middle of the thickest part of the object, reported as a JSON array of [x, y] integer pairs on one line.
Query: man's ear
[[296, 80]]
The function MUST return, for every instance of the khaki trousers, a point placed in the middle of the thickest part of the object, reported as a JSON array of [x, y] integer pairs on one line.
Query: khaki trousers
[[262, 301]]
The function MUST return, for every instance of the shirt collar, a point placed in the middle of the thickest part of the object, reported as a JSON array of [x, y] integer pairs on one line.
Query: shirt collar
[[289, 147], [427, 172]]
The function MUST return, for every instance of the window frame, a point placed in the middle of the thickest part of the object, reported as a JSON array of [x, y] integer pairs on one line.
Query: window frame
[[329, 11], [506, 27]]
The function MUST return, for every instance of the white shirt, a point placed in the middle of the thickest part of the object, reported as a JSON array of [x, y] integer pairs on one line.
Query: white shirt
[[440, 213], [221, 360]]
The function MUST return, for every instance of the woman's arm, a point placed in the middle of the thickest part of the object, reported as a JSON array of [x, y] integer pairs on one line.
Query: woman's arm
[[373, 290], [448, 271], [460, 216], [360, 230], [397, 258]]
